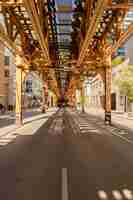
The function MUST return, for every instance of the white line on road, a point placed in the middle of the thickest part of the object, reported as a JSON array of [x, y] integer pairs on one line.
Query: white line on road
[[128, 194], [64, 184], [117, 195], [102, 195], [123, 138]]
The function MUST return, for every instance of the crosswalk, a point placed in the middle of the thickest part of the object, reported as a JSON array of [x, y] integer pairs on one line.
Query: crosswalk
[[87, 125], [100, 124], [92, 127], [82, 127], [86, 128], [56, 127], [8, 138], [111, 129]]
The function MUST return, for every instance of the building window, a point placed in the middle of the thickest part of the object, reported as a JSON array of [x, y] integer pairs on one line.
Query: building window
[[6, 73], [7, 60], [29, 86], [121, 51]]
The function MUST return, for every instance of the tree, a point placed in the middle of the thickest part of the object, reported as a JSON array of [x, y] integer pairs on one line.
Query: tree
[[117, 61], [124, 80]]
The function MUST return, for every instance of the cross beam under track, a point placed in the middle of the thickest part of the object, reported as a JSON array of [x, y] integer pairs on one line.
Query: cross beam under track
[[123, 38], [30, 6], [91, 30]]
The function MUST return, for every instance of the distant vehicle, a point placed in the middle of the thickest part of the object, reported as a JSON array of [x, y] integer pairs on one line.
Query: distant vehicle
[[62, 102]]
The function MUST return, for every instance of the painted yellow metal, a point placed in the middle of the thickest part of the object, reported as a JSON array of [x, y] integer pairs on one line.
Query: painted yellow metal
[[30, 6], [20, 77], [121, 6], [89, 59], [19, 120], [82, 90], [11, 3], [91, 30], [108, 83], [4, 38]]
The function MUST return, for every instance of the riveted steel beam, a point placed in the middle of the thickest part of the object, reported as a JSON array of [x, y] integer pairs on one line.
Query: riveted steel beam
[[31, 9], [121, 6], [91, 30], [10, 45], [123, 38], [11, 3]]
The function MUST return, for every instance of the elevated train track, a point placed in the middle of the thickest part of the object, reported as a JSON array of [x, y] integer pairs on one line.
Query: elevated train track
[[65, 41]]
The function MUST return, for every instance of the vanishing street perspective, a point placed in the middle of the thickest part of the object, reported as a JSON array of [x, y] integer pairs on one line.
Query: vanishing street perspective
[[66, 99]]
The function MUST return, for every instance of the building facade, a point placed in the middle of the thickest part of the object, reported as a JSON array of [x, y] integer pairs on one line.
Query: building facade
[[3, 78], [119, 102], [97, 91]]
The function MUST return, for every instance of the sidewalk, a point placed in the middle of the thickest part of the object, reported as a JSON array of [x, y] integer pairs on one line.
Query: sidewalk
[[31, 124], [119, 120], [12, 114], [9, 118]]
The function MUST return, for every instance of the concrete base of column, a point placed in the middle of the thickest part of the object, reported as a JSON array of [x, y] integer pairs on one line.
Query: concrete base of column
[[19, 120], [107, 118], [83, 110]]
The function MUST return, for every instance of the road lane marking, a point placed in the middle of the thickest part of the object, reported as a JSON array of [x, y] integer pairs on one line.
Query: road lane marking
[[56, 127], [119, 131], [128, 194], [123, 138], [117, 195], [102, 195], [64, 184]]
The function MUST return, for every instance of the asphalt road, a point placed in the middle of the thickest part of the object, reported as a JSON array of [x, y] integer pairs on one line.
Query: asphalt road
[[71, 157]]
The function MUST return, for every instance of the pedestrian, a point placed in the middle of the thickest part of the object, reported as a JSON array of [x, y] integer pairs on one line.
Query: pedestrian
[[2, 108]]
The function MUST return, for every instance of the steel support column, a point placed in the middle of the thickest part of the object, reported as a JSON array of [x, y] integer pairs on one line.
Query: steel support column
[[74, 99], [82, 92], [108, 82], [45, 97], [19, 118]]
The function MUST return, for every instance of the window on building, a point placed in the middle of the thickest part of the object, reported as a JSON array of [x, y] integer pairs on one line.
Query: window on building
[[121, 51], [6, 73], [29, 86], [7, 60]]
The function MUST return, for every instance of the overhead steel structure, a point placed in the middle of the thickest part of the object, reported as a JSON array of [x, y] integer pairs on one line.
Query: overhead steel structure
[[64, 40]]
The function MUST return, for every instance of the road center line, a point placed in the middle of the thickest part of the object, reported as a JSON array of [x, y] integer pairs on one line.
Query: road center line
[[64, 184]]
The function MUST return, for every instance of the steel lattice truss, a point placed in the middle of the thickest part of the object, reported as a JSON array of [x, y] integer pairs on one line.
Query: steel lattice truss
[[65, 39]]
